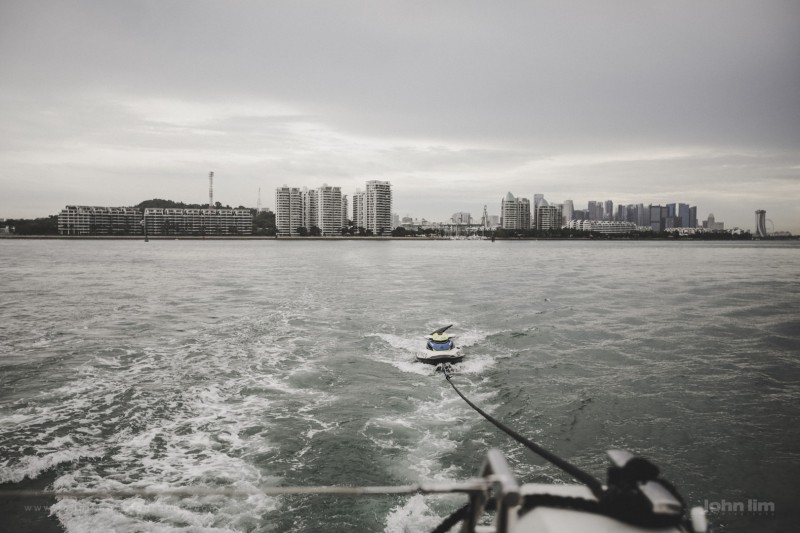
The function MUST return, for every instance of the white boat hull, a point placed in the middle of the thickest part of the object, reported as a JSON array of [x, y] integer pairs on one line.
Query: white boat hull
[[434, 357]]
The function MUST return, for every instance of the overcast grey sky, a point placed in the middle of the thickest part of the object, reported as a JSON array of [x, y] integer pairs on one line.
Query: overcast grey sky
[[455, 102]]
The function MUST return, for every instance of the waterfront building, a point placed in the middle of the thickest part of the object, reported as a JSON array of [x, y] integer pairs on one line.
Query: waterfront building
[[359, 215], [567, 210], [96, 220], [693, 216], [548, 217], [309, 206], [378, 207], [515, 213], [345, 221], [328, 207], [178, 221], [288, 210], [609, 210], [761, 223], [607, 227]]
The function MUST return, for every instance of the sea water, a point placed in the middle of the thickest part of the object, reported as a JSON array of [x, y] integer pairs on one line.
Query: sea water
[[244, 364]]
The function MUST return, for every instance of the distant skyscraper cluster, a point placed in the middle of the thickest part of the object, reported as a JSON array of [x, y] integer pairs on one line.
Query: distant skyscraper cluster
[[516, 214], [326, 208]]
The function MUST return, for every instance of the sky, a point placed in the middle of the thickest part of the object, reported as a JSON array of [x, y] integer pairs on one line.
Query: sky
[[456, 103]]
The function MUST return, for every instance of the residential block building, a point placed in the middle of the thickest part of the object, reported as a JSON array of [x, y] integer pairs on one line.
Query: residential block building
[[515, 213]]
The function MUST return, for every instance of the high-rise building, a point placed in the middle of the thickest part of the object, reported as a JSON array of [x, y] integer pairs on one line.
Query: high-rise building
[[658, 216], [643, 215], [712, 225], [359, 215], [344, 211], [693, 216], [515, 213], [461, 217], [761, 223], [683, 214], [288, 210], [329, 210], [593, 210], [548, 217], [309, 202], [567, 210], [609, 210], [378, 207]]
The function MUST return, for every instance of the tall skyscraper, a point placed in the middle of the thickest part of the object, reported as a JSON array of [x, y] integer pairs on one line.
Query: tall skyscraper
[[693, 216], [515, 212], [567, 210], [593, 211], [288, 210], [378, 207], [658, 216], [683, 214], [609, 210], [761, 223]]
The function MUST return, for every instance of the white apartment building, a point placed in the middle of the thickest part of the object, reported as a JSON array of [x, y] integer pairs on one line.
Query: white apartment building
[[378, 207], [178, 221], [288, 210], [515, 213], [359, 215], [310, 207], [547, 217], [329, 210], [95, 220], [372, 209], [604, 226]]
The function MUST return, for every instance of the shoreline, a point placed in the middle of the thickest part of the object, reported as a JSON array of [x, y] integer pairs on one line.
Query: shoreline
[[373, 238]]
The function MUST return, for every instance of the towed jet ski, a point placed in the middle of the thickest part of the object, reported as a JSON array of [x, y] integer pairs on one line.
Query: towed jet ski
[[440, 348]]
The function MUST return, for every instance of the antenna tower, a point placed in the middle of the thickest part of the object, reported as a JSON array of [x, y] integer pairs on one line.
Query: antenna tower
[[211, 190]]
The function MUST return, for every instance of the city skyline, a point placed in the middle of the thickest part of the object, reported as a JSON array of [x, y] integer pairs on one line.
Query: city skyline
[[109, 104]]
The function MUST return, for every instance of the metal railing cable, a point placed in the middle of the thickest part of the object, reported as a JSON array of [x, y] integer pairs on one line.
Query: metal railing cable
[[466, 487]]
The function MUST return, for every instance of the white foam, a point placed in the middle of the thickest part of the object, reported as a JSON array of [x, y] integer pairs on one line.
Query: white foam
[[411, 516], [31, 466]]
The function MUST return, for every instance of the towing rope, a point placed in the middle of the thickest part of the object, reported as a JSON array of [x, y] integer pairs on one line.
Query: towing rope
[[582, 476]]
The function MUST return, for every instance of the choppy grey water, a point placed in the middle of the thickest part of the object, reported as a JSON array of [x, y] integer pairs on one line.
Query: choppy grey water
[[247, 364]]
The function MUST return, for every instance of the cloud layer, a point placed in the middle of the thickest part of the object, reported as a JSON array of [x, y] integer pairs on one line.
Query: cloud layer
[[456, 103]]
